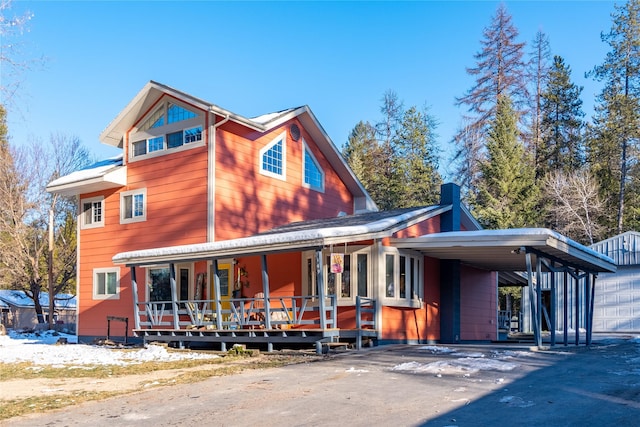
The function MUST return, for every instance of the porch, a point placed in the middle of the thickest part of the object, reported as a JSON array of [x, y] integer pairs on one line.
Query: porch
[[281, 321]]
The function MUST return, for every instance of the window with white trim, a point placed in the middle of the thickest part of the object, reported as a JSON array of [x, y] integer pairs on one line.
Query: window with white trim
[[106, 283], [92, 212], [313, 176], [403, 275], [352, 280], [133, 206], [170, 127], [273, 158]]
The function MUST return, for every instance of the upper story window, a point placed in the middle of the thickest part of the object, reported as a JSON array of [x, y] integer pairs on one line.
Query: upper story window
[[92, 214], [133, 206], [313, 174], [168, 128], [273, 157]]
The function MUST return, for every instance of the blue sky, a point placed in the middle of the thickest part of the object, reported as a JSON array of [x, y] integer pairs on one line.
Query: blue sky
[[258, 57]]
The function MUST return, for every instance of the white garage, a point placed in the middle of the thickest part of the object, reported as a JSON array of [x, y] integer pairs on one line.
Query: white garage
[[617, 296]]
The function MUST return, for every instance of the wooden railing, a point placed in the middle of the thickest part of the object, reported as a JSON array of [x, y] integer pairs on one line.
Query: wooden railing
[[241, 313]]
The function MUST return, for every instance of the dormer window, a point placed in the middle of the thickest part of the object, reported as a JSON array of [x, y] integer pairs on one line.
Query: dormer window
[[170, 127]]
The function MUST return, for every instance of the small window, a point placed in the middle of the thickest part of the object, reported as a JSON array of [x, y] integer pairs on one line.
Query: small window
[[106, 283], [313, 174], [133, 206], [273, 158], [156, 144], [92, 215], [193, 135], [140, 148]]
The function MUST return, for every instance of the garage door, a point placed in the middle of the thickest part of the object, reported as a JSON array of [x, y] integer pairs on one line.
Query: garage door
[[617, 301]]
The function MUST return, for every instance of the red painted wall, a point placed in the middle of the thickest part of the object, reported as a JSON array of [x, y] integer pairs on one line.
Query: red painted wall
[[248, 202]]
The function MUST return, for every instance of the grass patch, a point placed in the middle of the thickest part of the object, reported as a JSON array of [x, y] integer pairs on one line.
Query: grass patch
[[186, 372]]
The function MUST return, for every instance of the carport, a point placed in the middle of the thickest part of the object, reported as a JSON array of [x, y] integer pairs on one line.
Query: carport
[[534, 252]]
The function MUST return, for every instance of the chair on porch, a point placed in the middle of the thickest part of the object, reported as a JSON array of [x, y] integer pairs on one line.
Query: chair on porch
[[258, 309]]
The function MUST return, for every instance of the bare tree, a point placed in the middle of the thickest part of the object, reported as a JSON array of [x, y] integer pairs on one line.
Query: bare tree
[[24, 223], [575, 204]]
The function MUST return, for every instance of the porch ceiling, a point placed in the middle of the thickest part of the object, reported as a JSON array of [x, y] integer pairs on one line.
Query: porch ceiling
[[504, 250]]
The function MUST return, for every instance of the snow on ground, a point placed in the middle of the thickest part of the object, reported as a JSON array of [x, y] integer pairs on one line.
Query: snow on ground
[[461, 362], [40, 348]]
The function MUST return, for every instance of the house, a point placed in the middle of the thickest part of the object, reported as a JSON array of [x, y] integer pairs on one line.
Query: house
[[18, 310], [211, 226]]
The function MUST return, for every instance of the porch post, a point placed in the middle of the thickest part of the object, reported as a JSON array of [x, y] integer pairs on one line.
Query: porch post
[[174, 295], [265, 291], [320, 283], [216, 287], [134, 291]]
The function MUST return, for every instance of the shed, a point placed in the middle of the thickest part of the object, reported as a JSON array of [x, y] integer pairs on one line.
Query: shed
[[617, 302]]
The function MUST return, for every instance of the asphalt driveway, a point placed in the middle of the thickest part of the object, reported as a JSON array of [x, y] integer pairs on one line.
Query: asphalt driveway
[[461, 385]]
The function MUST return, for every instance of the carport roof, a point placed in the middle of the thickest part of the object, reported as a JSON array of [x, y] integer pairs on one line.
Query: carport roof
[[504, 250]]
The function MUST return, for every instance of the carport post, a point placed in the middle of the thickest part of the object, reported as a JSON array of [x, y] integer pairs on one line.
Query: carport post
[[539, 299], [576, 322], [565, 312], [553, 306], [532, 298]]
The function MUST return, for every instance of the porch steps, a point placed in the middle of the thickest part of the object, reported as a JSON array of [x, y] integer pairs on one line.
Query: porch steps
[[335, 346]]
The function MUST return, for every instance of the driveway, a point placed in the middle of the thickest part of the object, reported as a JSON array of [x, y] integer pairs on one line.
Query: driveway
[[402, 385]]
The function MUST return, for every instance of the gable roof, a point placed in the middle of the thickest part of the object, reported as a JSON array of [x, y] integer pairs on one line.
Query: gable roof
[[114, 133], [297, 236], [624, 248]]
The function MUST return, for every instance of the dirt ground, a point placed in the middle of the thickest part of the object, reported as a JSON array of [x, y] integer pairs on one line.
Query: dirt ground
[[564, 386], [36, 387]]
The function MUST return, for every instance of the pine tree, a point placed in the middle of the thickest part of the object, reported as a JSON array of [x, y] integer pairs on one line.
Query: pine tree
[[499, 71], [507, 194], [417, 160], [616, 125], [561, 126], [364, 156]]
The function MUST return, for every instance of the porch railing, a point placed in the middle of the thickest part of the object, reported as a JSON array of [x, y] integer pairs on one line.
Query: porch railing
[[238, 313]]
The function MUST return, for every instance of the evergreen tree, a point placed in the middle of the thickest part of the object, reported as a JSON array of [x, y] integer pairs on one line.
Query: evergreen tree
[[507, 194], [499, 71], [561, 125], [616, 125], [417, 160], [364, 156]]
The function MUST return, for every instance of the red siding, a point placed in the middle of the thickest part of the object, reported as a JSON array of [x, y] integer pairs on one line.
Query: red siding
[[248, 202], [432, 225]]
